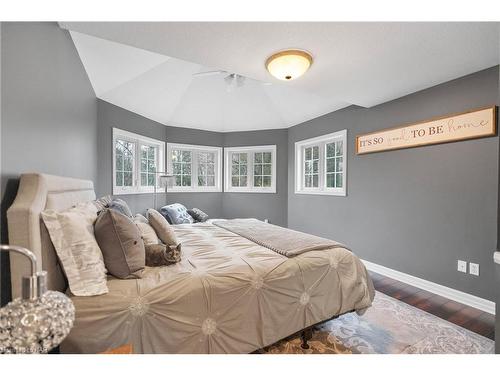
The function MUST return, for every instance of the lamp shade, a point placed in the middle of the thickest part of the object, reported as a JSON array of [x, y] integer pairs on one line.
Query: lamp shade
[[289, 65]]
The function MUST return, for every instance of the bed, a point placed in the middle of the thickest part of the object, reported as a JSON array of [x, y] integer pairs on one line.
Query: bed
[[227, 295]]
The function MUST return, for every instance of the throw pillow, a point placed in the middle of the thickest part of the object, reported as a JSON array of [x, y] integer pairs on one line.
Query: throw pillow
[[198, 215], [121, 244], [162, 228], [177, 214]]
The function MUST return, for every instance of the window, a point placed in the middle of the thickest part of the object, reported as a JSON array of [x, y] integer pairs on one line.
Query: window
[[195, 168], [250, 169], [320, 165], [137, 161]]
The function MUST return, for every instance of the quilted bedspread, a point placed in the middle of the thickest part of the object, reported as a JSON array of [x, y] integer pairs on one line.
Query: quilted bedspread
[[227, 295]]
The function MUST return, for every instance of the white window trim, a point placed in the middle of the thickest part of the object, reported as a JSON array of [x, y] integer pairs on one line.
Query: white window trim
[[228, 151], [138, 140], [194, 168], [299, 164]]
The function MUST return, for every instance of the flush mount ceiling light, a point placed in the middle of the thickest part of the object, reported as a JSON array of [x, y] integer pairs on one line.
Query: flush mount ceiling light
[[289, 64]]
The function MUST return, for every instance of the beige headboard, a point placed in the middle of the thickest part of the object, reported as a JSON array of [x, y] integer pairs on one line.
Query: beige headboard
[[36, 193]]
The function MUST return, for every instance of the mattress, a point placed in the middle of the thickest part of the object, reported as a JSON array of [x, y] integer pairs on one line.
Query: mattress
[[227, 295]]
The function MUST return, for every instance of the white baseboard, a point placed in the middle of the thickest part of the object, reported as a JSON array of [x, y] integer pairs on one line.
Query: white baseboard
[[453, 294]]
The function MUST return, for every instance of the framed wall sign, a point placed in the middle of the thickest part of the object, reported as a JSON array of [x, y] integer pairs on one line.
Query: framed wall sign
[[476, 123]]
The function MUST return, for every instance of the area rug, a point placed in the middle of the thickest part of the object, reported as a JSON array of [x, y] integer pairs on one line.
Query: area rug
[[388, 327]]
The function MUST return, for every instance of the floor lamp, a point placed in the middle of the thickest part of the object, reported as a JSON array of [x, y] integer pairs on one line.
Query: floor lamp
[[162, 176]]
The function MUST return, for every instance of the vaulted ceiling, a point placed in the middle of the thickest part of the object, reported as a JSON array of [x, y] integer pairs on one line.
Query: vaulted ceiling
[[149, 68]]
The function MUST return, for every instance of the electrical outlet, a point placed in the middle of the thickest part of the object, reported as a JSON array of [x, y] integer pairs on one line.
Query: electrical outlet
[[462, 266], [474, 269]]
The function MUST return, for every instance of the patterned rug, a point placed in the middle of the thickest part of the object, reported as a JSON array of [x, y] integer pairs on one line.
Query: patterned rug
[[388, 327]]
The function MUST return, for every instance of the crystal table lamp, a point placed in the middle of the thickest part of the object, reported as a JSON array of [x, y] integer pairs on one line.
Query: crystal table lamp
[[39, 320]]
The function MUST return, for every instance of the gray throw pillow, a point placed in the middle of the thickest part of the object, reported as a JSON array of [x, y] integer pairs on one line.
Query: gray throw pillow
[[121, 244], [176, 214], [121, 206], [198, 215]]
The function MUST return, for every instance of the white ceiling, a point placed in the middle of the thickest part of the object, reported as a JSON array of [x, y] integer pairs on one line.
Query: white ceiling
[[148, 67]]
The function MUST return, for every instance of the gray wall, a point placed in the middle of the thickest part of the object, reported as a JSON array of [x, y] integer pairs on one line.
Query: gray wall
[[414, 210], [110, 116], [261, 206], [49, 120]]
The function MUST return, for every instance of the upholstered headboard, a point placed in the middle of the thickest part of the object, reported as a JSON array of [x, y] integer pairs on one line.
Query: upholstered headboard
[[36, 193]]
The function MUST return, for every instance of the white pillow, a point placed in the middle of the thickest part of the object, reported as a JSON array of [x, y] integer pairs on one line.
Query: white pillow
[[72, 233]]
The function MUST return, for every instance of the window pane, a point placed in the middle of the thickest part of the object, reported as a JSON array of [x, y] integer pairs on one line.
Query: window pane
[[235, 158], [151, 165], [308, 167], [257, 169], [338, 179], [151, 179], [340, 148], [127, 179], [330, 150], [315, 152], [144, 165], [178, 180], [144, 179], [330, 165], [308, 153], [144, 152], [266, 181], [308, 181], [235, 181], [127, 164], [257, 181], [210, 181], [267, 157], [235, 171], [243, 158], [267, 170], [315, 180], [177, 168], [119, 179], [202, 169], [201, 180], [186, 168], [119, 148], [186, 180], [243, 181], [119, 163], [202, 157], [211, 157], [338, 165], [211, 170], [258, 157], [186, 156], [176, 155], [243, 170], [315, 166], [330, 180]]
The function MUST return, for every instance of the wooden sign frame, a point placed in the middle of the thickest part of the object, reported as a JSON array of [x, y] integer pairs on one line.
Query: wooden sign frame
[[432, 128]]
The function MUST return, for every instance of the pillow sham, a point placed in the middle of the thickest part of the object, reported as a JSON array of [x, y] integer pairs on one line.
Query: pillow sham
[[198, 215], [121, 244], [162, 227], [140, 218], [148, 233], [121, 206], [176, 214], [72, 234]]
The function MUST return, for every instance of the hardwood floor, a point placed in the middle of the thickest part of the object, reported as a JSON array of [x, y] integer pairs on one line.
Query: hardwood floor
[[462, 315]]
